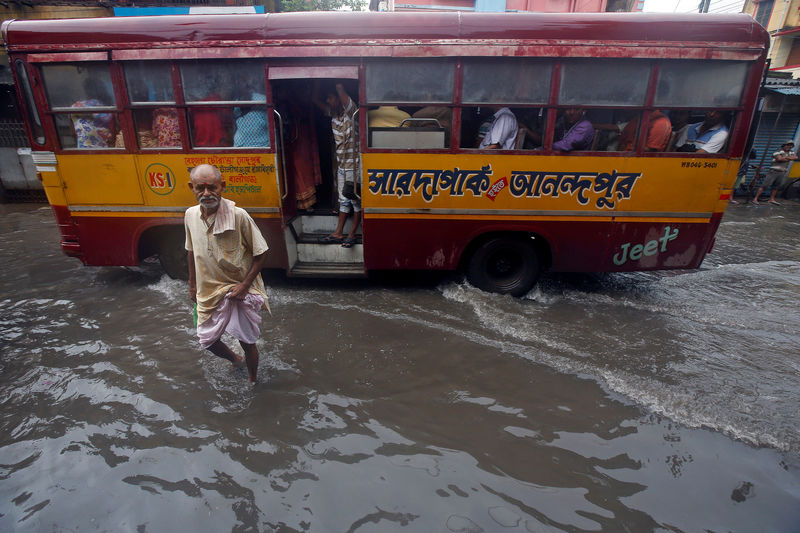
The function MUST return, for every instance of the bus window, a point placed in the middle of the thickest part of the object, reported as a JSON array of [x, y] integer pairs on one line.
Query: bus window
[[30, 105], [604, 82], [239, 118], [700, 131], [410, 81], [714, 86], [573, 131], [87, 87], [615, 130], [157, 127], [506, 81], [149, 82], [476, 122], [597, 96], [155, 119], [420, 87], [491, 85], [409, 127], [700, 84]]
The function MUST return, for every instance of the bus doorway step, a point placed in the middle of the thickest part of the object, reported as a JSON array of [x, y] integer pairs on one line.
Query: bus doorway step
[[327, 270]]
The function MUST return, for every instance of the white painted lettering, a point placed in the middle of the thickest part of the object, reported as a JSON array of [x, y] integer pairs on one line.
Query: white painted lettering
[[621, 260], [634, 252]]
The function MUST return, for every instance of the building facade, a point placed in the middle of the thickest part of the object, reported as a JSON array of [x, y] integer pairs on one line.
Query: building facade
[[781, 18]]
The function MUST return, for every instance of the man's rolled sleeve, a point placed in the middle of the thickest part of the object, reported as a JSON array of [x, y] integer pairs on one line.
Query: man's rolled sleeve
[[501, 129], [188, 244], [716, 142]]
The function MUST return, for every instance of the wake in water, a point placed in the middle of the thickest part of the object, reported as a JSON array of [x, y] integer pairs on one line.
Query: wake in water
[[715, 348]]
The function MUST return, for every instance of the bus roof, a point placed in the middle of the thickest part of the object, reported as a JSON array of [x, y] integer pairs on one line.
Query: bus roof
[[242, 30]]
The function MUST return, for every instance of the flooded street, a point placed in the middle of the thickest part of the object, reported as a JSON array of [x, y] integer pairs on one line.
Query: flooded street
[[663, 401]]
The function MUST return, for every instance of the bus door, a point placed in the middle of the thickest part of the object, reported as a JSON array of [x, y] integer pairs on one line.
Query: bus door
[[307, 171]]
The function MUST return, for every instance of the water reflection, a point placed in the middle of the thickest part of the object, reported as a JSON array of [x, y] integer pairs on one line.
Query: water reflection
[[405, 406]]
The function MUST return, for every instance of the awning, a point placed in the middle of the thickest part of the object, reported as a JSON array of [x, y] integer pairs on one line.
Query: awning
[[788, 91]]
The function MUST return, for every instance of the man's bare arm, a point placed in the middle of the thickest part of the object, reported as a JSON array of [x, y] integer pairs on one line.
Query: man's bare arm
[[192, 277], [316, 97], [343, 96]]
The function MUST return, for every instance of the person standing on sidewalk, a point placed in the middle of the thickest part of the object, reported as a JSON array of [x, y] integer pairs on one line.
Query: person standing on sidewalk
[[777, 171]]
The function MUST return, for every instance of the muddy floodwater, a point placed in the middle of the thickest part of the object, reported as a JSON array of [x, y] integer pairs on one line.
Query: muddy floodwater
[[665, 401]]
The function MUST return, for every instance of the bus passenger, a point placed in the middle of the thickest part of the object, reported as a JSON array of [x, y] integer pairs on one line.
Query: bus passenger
[[576, 131], [707, 137], [166, 129], [680, 123], [502, 132], [658, 134], [341, 108], [93, 130], [386, 116], [299, 140], [212, 125], [225, 252], [252, 125]]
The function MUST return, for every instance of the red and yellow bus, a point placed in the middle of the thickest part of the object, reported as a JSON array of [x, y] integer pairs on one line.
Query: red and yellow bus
[[119, 110]]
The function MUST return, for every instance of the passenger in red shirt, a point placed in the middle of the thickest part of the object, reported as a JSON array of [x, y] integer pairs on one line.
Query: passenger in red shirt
[[212, 125], [658, 134]]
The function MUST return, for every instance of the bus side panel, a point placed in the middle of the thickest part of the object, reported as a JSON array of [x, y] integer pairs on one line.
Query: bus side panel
[[99, 179], [425, 243], [575, 246], [661, 245]]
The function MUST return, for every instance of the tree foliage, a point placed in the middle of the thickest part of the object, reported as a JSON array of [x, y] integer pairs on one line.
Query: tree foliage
[[319, 5]]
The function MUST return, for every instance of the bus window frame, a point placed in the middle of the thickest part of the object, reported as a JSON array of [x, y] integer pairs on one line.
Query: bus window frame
[[186, 107], [553, 107], [27, 101], [52, 112], [133, 107], [124, 110]]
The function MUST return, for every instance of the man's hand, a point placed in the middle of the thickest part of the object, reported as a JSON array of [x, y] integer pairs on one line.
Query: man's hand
[[239, 291]]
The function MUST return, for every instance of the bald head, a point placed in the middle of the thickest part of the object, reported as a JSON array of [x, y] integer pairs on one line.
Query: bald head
[[205, 170]]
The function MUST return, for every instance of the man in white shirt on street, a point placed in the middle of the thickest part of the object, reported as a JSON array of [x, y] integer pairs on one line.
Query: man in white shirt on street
[[777, 171]]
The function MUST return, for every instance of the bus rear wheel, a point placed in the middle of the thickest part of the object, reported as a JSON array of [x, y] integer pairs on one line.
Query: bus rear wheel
[[172, 255], [505, 265]]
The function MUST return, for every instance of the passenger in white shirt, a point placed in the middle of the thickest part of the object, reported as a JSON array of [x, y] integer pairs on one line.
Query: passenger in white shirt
[[502, 133]]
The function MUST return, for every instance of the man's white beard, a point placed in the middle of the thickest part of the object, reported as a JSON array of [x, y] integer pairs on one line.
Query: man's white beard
[[210, 204]]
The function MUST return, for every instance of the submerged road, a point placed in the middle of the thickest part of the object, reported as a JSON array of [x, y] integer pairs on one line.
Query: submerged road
[[663, 401]]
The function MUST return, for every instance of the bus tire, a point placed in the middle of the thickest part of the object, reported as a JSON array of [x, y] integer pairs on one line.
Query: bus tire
[[172, 255], [505, 265]]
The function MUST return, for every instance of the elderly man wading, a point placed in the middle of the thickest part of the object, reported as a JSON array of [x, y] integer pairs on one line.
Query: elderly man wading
[[226, 252]]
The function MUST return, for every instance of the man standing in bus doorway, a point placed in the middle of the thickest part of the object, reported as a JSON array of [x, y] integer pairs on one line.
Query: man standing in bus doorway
[[226, 253], [341, 108], [777, 172]]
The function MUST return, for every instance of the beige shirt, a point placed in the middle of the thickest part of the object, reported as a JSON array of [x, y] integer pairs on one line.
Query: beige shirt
[[386, 116], [223, 247]]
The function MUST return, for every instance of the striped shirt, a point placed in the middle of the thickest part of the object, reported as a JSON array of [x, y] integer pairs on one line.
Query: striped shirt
[[345, 136]]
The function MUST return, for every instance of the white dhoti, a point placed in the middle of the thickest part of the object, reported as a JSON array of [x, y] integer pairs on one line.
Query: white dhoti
[[240, 318]]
